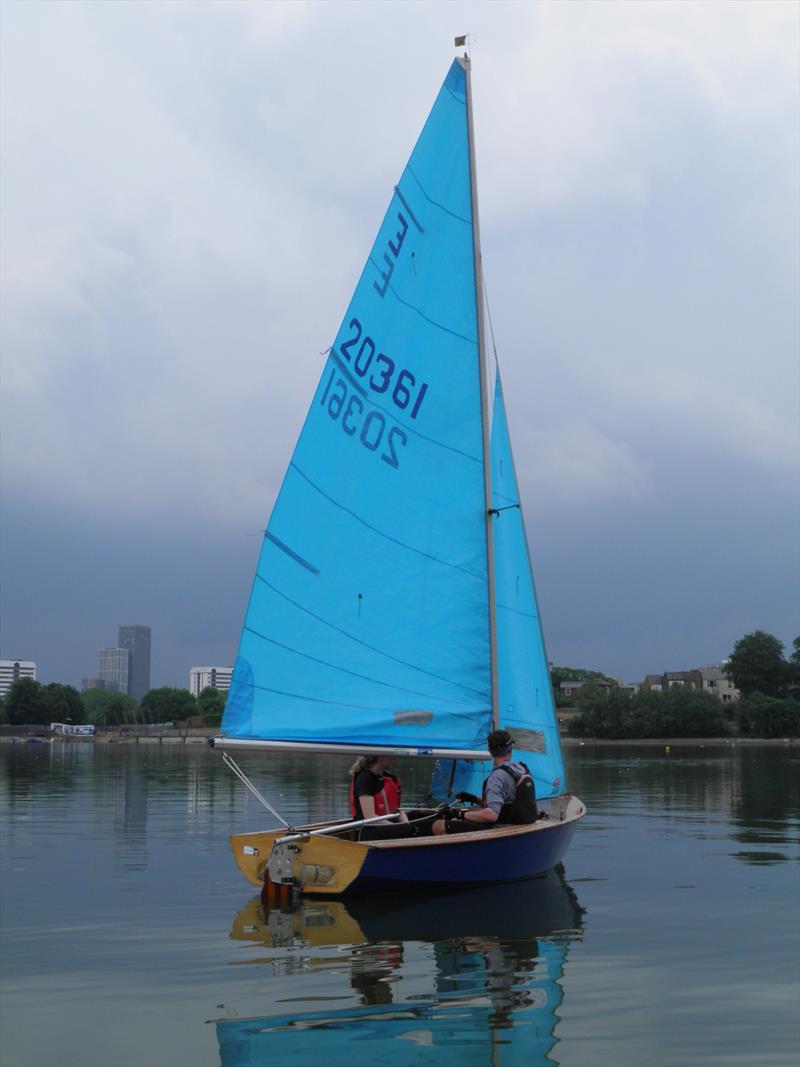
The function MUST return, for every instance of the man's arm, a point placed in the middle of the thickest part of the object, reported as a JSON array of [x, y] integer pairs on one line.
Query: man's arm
[[480, 815]]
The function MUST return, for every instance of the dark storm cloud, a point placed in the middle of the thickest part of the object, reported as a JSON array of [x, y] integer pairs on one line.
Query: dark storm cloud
[[189, 192]]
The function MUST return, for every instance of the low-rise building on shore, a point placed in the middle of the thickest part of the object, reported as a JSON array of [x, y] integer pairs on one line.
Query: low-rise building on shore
[[201, 678]]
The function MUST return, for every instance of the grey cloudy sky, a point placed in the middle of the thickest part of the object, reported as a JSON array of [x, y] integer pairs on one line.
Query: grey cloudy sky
[[188, 195]]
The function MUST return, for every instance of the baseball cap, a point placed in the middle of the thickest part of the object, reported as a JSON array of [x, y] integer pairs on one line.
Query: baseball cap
[[500, 742]]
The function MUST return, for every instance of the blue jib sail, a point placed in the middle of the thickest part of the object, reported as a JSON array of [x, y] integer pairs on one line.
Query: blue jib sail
[[525, 694], [368, 620]]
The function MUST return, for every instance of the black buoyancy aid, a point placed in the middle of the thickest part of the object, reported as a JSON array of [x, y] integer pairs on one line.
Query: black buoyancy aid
[[387, 801], [522, 809]]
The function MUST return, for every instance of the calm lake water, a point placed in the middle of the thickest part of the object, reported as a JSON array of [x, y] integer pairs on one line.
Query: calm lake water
[[129, 937]]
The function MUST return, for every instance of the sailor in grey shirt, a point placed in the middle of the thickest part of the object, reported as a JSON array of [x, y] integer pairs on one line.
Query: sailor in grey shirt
[[500, 789]]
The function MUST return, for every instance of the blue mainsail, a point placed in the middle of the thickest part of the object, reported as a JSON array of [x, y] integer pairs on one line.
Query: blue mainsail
[[525, 695], [368, 619]]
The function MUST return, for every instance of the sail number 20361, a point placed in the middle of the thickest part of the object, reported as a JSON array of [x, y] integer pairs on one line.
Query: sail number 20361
[[365, 358], [347, 397]]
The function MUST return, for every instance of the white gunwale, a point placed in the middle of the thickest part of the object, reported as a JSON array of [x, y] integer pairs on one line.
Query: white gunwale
[[574, 810]]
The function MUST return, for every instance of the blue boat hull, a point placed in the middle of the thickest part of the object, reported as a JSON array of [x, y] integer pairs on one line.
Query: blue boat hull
[[319, 861], [481, 860]]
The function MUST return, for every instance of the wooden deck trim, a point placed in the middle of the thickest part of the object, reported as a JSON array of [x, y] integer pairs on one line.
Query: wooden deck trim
[[484, 835]]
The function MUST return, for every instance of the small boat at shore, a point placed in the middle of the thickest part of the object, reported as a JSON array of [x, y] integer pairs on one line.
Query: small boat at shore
[[393, 608]]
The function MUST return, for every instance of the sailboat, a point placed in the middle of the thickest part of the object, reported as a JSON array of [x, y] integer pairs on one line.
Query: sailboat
[[393, 608]]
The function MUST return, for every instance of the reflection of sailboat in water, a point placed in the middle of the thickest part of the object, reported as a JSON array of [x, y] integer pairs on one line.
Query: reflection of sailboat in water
[[474, 975]]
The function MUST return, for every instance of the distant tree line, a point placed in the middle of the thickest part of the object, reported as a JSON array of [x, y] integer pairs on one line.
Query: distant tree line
[[29, 702], [769, 705], [575, 674]]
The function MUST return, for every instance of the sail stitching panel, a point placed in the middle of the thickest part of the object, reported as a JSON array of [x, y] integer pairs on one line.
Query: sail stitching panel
[[466, 715], [455, 96], [512, 502], [365, 644], [517, 611], [380, 533], [422, 315], [346, 670], [435, 203]]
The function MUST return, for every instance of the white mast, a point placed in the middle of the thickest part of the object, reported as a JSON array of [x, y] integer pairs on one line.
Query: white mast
[[476, 249]]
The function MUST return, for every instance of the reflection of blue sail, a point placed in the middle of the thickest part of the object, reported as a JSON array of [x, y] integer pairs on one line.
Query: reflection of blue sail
[[496, 954], [525, 694], [368, 620]]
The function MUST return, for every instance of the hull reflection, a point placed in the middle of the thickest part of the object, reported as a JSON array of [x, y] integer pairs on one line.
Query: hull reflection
[[466, 977]]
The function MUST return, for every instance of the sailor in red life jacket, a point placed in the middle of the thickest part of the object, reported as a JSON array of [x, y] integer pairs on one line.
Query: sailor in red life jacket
[[374, 790], [508, 793]]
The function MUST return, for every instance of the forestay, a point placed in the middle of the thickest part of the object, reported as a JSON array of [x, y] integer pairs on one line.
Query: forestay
[[368, 620]]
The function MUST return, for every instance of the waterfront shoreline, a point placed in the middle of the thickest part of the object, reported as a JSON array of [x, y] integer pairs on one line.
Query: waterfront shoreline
[[679, 742], [201, 736]]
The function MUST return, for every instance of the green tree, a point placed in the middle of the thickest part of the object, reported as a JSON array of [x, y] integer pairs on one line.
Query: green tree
[[763, 716], [756, 665], [24, 703], [564, 674], [104, 707], [168, 705], [794, 667], [677, 713], [62, 703], [211, 704]]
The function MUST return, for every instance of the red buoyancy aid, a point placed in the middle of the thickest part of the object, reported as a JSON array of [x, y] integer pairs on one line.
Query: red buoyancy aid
[[387, 801]]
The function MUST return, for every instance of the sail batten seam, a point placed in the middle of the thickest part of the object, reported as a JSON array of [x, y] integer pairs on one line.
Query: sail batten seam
[[381, 533], [346, 670], [435, 203], [422, 315], [366, 644], [468, 716]]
